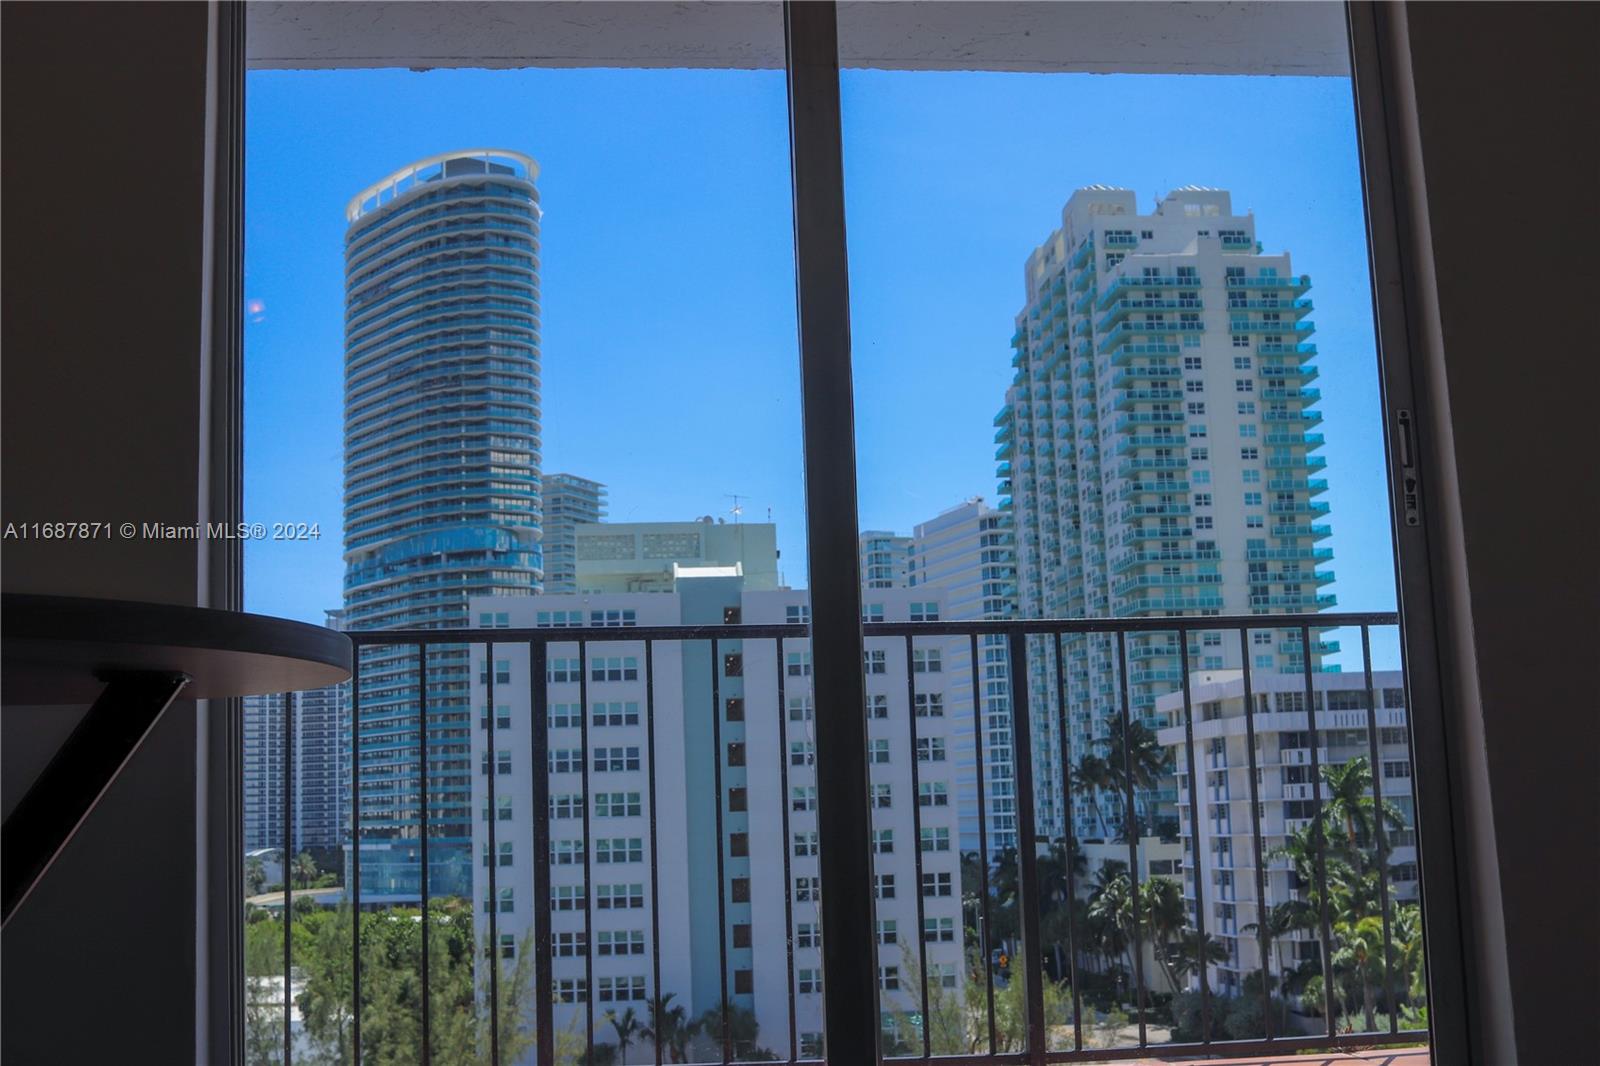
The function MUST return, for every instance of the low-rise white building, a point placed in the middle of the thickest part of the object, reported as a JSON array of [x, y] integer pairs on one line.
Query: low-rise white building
[[680, 740], [1286, 792]]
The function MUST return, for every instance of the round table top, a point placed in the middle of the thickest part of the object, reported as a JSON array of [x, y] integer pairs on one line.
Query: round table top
[[57, 649]]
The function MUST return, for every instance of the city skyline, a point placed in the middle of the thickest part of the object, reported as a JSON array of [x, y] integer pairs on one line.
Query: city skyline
[[941, 468]]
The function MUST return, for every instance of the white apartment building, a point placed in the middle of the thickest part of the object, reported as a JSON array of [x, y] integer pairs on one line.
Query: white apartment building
[[1286, 791], [885, 560], [967, 551], [1155, 452], [734, 750]]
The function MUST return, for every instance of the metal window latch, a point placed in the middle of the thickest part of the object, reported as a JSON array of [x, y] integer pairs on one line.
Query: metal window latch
[[1410, 494]]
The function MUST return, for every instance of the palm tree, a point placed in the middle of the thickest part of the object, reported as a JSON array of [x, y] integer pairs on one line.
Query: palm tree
[[1349, 805], [1360, 950], [627, 1028], [1111, 914], [1133, 750], [670, 1026], [1161, 899], [1194, 951], [1093, 775], [305, 868], [255, 876]]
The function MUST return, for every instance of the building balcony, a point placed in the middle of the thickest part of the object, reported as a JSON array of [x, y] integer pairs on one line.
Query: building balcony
[[1294, 283], [1124, 285]]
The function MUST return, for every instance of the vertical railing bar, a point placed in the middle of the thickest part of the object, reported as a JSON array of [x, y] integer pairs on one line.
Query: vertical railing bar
[[1382, 841], [1263, 932], [288, 875], [588, 848], [655, 855], [916, 854], [1028, 858], [490, 745], [1072, 842], [1130, 826], [1194, 840], [1319, 835], [543, 913], [354, 873], [983, 846], [422, 822], [722, 876], [788, 844]]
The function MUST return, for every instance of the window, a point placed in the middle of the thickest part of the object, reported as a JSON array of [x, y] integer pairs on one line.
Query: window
[[924, 612], [798, 663], [618, 942], [808, 982], [738, 799], [933, 794], [806, 935], [616, 713], [883, 841], [889, 978], [800, 709], [797, 613], [617, 805], [882, 796], [620, 989], [883, 886], [936, 884], [614, 668], [572, 990], [802, 753], [929, 704], [615, 760], [803, 798], [805, 844], [878, 751], [570, 945], [807, 889], [619, 849], [877, 705], [939, 930], [876, 661], [930, 749], [935, 838], [886, 929], [743, 980]]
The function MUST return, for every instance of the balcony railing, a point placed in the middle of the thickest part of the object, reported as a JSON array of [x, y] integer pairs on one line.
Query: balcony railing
[[616, 730]]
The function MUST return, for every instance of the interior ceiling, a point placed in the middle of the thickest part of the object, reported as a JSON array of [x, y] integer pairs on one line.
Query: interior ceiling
[[1306, 38]]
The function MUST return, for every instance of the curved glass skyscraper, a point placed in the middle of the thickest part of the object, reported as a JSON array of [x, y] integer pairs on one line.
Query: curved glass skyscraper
[[441, 474]]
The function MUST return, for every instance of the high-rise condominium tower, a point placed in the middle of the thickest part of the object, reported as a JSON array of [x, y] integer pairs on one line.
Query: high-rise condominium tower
[[569, 501], [1155, 446], [441, 474]]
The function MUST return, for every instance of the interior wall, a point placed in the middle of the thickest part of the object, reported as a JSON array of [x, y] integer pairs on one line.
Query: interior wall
[[1505, 95], [104, 111]]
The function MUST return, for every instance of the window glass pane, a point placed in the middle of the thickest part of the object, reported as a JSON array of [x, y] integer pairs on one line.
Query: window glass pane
[[1175, 413], [545, 385]]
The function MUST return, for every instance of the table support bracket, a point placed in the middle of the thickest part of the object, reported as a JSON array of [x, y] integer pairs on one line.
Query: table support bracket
[[78, 777]]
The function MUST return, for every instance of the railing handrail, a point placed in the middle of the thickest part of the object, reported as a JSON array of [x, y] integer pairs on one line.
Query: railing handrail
[[802, 630]]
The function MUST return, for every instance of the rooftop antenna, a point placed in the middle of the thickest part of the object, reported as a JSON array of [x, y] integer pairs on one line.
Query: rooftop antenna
[[735, 510]]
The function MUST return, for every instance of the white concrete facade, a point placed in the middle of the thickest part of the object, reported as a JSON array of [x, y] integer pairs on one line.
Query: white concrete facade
[[1286, 791], [759, 709]]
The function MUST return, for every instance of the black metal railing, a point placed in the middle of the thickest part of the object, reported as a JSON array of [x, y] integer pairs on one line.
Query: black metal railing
[[1036, 654]]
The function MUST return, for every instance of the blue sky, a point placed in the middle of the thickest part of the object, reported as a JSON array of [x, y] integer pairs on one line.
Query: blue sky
[[669, 360]]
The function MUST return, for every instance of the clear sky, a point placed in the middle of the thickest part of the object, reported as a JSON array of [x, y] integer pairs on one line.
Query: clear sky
[[669, 358]]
